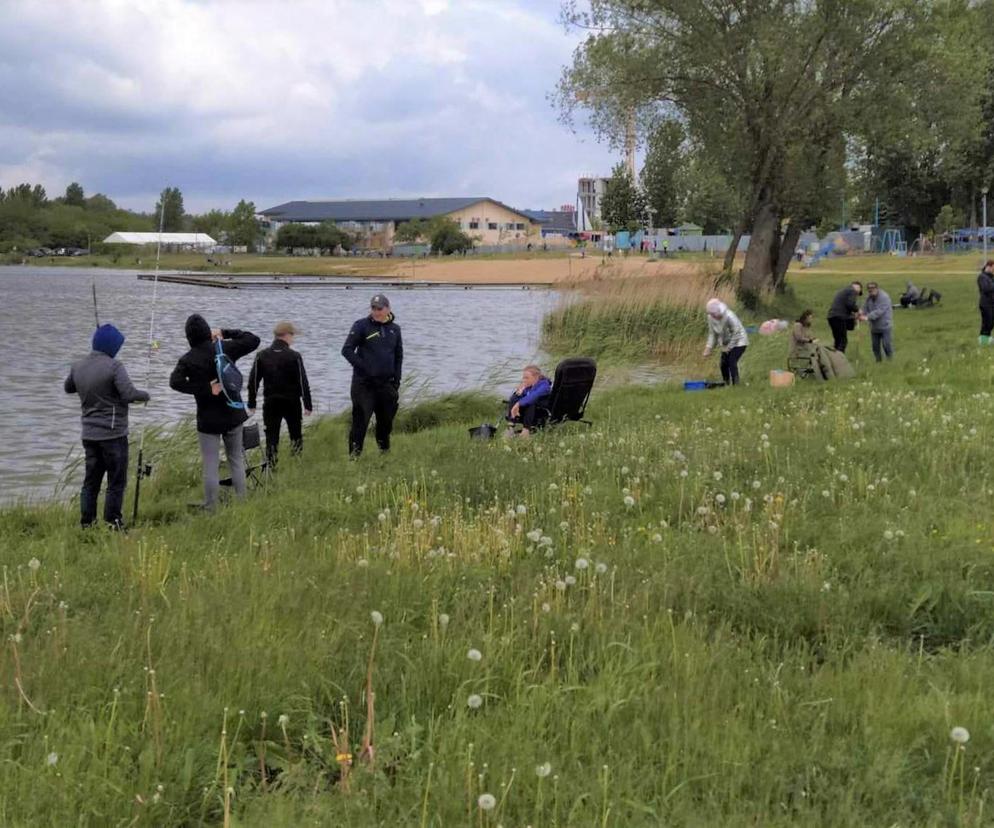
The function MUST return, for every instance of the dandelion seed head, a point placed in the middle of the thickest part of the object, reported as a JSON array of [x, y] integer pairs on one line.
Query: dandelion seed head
[[52, 759], [543, 770], [474, 655], [960, 735], [474, 702], [34, 564], [487, 802], [376, 617], [601, 568], [629, 501], [443, 620], [581, 564]]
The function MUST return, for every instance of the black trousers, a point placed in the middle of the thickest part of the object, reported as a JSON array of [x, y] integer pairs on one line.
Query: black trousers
[[840, 332], [369, 397], [108, 457], [986, 319], [529, 415], [729, 364], [274, 412]]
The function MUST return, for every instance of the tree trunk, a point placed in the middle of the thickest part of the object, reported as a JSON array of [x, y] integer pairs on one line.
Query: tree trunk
[[787, 247], [763, 253], [733, 248]]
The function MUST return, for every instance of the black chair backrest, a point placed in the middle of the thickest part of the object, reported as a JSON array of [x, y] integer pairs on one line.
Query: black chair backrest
[[250, 436], [571, 389]]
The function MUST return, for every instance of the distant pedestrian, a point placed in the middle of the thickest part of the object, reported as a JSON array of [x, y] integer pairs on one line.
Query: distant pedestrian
[[843, 313], [280, 371], [220, 414], [375, 351], [985, 284], [105, 392], [727, 332], [877, 309]]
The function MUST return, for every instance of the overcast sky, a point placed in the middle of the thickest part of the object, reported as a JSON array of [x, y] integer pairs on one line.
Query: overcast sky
[[273, 100]]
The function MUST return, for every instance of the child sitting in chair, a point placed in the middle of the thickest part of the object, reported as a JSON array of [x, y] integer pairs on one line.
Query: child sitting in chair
[[525, 406]]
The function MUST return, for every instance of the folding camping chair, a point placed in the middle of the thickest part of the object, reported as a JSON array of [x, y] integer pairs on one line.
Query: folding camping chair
[[571, 388], [259, 473]]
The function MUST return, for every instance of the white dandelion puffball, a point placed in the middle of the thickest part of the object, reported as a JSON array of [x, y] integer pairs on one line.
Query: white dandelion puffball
[[474, 655], [377, 618], [34, 564], [601, 568], [960, 735], [629, 501], [283, 720], [657, 538], [581, 564], [522, 509], [52, 759], [546, 607], [543, 770], [570, 580], [487, 802], [443, 620], [561, 585], [474, 702]]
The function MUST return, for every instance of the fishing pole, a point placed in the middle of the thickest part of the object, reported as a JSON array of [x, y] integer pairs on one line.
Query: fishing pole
[[145, 469], [96, 313]]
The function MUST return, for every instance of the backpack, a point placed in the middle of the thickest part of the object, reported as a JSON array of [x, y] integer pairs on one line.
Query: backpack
[[229, 376]]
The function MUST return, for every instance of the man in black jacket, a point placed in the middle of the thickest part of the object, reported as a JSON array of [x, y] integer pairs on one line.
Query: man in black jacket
[[985, 284], [105, 392], [217, 417], [376, 353], [280, 370], [843, 314]]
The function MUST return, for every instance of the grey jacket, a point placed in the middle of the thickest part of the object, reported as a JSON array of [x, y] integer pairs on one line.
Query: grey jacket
[[879, 312], [105, 391], [727, 332]]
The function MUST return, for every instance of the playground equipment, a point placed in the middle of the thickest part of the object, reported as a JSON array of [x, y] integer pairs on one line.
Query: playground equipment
[[890, 240], [833, 244]]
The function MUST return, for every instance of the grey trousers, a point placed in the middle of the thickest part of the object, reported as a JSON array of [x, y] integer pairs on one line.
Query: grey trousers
[[881, 341], [210, 453]]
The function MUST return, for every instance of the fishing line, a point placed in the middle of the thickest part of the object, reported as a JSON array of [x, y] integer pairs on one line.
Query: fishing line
[[143, 469]]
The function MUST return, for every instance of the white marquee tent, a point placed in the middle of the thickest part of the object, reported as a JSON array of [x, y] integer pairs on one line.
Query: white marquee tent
[[173, 239]]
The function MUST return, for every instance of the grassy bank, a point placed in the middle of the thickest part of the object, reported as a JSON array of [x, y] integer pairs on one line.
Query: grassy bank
[[741, 607]]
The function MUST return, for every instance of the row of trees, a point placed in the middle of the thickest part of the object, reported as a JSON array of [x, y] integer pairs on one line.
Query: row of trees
[[326, 237], [781, 115], [29, 219], [441, 232]]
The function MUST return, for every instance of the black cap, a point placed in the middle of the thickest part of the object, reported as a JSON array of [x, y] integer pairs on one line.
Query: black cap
[[379, 301]]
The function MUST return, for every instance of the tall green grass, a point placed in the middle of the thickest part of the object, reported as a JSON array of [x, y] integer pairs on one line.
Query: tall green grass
[[741, 607]]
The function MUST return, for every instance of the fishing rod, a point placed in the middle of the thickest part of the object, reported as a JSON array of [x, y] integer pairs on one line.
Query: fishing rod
[[145, 469], [96, 313]]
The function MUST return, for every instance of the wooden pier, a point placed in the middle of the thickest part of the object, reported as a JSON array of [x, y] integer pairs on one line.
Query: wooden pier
[[278, 281]]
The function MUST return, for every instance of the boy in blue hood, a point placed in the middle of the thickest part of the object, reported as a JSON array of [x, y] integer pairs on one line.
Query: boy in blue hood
[[525, 405], [105, 392]]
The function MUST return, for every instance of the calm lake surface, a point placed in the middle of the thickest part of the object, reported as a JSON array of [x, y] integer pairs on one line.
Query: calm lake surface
[[453, 340]]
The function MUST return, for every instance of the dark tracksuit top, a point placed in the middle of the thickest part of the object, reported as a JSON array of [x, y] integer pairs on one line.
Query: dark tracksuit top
[[375, 351], [280, 370]]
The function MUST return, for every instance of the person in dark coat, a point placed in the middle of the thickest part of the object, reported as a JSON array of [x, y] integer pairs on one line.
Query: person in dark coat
[[375, 351], [105, 392], [280, 371], [217, 419], [985, 285], [843, 314]]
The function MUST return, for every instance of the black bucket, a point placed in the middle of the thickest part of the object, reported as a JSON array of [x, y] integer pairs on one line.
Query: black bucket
[[483, 432]]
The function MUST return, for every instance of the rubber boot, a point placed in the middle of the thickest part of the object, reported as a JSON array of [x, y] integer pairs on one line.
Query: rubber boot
[[983, 340]]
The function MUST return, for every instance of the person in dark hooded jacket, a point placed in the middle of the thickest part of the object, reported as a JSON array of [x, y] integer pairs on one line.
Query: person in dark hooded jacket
[[105, 392], [985, 286], [196, 373], [376, 353], [843, 314]]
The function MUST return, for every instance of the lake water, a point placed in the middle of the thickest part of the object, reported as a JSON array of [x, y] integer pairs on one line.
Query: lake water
[[453, 340]]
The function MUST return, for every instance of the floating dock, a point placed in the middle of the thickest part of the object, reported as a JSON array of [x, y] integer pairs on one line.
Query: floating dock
[[278, 281]]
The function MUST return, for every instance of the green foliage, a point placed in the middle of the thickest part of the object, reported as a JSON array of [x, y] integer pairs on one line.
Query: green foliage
[[947, 220], [623, 206], [214, 223], [412, 231], [169, 210], [74, 196], [243, 229], [708, 198], [326, 237], [659, 177], [446, 237]]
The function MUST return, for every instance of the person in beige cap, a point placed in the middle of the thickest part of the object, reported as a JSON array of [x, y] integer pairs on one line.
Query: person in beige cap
[[280, 371]]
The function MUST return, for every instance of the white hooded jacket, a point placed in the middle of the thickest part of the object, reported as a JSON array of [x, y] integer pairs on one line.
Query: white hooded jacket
[[728, 331]]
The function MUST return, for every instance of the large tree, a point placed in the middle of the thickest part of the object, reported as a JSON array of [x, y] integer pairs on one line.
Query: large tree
[[169, 210], [664, 159], [74, 197], [770, 89], [623, 206], [243, 228]]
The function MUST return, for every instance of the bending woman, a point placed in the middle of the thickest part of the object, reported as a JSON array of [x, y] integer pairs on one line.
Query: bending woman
[[726, 331], [534, 391]]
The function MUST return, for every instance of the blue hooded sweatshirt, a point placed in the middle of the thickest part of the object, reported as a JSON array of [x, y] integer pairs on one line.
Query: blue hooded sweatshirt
[[108, 340], [541, 388]]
